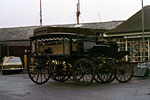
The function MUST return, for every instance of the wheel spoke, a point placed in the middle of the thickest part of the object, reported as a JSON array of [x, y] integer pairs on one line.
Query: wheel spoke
[[124, 77], [34, 74], [41, 76], [37, 77], [44, 75]]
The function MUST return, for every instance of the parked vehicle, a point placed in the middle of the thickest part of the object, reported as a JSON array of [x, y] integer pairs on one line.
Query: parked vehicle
[[61, 53], [11, 63]]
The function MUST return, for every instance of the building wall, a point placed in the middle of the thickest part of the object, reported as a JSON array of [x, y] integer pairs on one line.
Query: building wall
[[18, 51], [0, 52], [3, 51], [135, 47]]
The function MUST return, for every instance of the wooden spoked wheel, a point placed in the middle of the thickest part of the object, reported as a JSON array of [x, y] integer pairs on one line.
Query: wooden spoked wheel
[[124, 71], [83, 71], [105, 72], [60, 71], [38, 68]]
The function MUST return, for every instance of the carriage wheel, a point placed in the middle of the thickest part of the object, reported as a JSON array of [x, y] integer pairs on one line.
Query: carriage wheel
[[38, 68], [124, 72], [83, 72], [105, 72], [61, 72]]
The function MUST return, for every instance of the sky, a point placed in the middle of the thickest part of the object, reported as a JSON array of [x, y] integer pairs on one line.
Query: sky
[[18, 13]]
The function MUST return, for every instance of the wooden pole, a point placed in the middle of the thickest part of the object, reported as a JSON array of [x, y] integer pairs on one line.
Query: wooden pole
[[40, 13], [78, 11], [143, 32]]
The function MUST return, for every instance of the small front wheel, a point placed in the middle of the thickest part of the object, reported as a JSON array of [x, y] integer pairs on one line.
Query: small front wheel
[[124, 72]]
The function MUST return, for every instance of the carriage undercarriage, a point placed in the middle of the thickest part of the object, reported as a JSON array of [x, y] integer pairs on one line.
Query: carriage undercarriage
[[83, 71]]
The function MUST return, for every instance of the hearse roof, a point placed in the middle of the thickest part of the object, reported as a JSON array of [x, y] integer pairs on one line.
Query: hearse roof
[[67, 30]]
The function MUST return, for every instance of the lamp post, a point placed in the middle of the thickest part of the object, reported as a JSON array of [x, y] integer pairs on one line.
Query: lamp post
[[143, 43], [40, 13]]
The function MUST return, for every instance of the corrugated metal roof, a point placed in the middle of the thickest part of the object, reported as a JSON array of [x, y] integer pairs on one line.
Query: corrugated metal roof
[[19, 33], [95, 25], [24, 33]]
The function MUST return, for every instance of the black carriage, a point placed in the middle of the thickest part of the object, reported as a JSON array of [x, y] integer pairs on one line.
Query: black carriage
[[62, 53]]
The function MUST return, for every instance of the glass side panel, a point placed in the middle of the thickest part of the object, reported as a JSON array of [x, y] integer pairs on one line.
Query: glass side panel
[[54, 47], [59, 46]]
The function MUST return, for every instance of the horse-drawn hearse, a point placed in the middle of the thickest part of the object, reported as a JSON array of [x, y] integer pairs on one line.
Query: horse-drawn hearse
[[63, 53]]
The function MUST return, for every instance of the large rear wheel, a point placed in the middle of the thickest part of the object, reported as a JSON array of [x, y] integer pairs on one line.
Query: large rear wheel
[[38, 68], [83, 72]]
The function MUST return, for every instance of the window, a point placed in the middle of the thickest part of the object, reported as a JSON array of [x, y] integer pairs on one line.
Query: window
[[55, 46]]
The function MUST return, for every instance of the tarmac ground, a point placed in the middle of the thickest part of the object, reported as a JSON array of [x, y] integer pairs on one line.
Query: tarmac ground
[[20, 87]]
